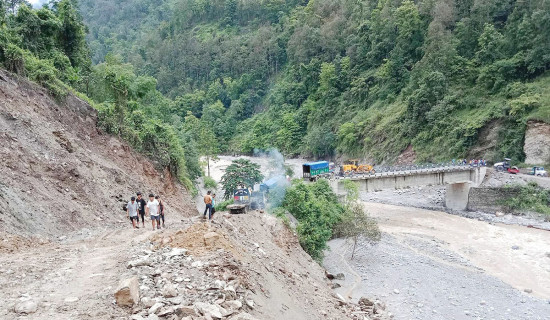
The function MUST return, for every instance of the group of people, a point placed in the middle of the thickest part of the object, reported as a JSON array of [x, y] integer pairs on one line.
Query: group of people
[[154, 208], [471, 162], [210, 202]]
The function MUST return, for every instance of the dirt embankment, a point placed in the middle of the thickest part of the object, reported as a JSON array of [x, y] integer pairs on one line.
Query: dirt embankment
[[59, 173]]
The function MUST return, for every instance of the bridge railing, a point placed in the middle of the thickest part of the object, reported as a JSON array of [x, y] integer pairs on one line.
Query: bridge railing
[[412, 169]]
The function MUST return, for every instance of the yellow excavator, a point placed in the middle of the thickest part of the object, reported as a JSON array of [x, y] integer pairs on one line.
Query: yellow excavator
[[353, 166]]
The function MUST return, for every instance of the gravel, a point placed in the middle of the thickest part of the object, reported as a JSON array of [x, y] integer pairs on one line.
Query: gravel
[[420, 280]]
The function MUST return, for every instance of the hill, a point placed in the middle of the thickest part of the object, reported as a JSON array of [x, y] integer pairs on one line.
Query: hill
[[357, 78]]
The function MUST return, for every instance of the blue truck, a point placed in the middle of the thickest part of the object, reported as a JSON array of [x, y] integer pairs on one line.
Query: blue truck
[[314, 170]]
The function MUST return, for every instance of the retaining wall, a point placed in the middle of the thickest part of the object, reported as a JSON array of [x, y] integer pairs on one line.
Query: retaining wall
[[488, 199]]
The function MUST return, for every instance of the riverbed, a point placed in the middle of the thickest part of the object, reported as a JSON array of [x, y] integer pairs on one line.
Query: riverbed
[[433, 265]]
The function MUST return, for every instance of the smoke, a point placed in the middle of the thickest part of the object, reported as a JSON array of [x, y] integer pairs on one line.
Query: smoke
[[276, 178], [275, 162]]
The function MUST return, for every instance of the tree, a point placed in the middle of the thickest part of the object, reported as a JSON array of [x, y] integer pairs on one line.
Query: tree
[[355, 222], [208, 144], [240, 173]]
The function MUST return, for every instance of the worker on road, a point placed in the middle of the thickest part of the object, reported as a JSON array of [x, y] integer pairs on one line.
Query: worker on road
[[213, 209], [208, 203], [161, 206]]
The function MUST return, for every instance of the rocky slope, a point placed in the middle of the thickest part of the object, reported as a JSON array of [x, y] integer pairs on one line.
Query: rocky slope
[[59, 172], [537, 143]]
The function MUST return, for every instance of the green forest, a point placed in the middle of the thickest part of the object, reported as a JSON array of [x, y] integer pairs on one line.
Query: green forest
[[324, 77], [318, 78]]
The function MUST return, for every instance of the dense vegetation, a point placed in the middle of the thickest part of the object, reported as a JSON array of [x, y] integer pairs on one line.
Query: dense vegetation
[[363, 78], [48, 46], [321, 216]]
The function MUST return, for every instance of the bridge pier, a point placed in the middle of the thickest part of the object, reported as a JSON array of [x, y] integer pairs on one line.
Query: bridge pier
[[456, 197]]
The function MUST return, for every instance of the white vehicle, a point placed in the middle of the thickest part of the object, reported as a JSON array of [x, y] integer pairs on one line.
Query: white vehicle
[[539, 171]]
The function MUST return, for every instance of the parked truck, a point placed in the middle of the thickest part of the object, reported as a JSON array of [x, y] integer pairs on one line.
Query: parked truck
[[313, 170]]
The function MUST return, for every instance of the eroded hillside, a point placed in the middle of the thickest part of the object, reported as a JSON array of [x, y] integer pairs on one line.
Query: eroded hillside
[[60, 173]]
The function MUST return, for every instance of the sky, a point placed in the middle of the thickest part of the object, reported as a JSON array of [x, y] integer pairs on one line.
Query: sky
[[37, 3]]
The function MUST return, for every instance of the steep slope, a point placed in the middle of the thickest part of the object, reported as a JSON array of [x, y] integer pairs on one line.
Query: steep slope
[[60, 173]]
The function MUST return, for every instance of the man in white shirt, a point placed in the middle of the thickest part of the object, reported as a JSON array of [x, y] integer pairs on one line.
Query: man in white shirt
[[153, 209], [132, 212]]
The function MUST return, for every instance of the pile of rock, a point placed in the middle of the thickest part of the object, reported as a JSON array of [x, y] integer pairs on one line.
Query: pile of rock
[[167, 283], [375, 310]]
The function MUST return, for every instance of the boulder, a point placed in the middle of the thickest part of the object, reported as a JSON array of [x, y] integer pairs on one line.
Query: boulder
[[127, 293], [212, 310], [139, 263], [185, 311], [155, 308], [340, 276], [26, 307], [169, 291], [210, 239], [365, 302], [175, 252], [147, 302], [233, 304]]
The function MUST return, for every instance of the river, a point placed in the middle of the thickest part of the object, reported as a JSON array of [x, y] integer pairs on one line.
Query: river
[[433, 265]]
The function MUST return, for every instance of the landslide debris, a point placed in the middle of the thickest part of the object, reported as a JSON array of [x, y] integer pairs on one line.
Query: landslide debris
[[240, 267]]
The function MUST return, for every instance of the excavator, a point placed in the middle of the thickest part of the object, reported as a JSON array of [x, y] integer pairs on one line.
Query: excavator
[[353, 166]]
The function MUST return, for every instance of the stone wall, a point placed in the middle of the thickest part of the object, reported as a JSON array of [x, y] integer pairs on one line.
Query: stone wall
[[488, 199]]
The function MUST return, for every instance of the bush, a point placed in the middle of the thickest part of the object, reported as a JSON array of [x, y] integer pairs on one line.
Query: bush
[[531, 197], [210, 183], [45, 74], [223, 205], [317, 210], [13, 59]]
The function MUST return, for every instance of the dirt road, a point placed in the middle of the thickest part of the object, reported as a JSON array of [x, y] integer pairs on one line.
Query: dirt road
[[71, 279], [431, 263]]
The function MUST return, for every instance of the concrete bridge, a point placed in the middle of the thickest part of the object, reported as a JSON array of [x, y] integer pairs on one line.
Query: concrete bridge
[[458, 179]]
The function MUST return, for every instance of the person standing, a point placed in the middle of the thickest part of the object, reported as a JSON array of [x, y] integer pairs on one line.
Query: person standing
[[132, 212], [208, 203], [213, 209], [141, 208], [153, 209], [161, 206]]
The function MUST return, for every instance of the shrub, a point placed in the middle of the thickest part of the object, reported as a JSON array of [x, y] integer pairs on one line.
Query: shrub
[[14, 59], [317, 210], [210, 183], [531, 197], [223, 205]]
